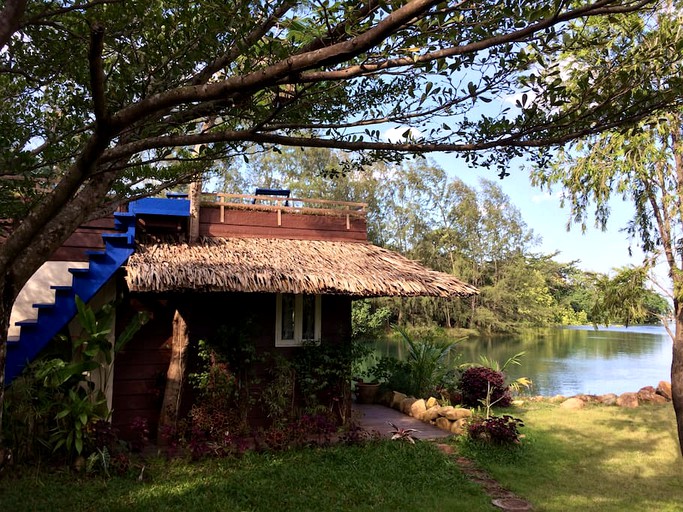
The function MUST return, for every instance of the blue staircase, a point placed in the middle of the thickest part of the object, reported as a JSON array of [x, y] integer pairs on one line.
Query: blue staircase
[[52, 317], [36, 334]]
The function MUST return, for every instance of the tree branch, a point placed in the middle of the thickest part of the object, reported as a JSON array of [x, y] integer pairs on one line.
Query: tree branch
[[97, 75], [10, 19]]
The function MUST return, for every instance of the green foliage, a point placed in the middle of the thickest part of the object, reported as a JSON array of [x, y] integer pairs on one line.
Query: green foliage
[[427, 361], [624, 299], [56, 401], [324, 372], [224, 382], [368, 322]]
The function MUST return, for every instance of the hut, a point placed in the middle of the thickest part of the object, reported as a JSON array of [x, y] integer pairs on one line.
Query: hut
[[277, 270]]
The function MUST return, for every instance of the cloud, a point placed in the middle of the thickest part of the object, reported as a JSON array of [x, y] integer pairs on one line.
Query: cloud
[[544, 197], [396, 134]]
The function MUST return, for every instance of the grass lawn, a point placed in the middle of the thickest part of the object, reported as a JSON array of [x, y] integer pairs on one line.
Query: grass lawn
[[596, 459], [387, 476]]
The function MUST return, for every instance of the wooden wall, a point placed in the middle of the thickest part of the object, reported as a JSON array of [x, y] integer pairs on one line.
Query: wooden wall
[[87, 237], [289, 225], [140, 370]]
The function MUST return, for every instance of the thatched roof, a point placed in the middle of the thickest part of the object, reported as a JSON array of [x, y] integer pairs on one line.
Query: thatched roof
[[288, 266]]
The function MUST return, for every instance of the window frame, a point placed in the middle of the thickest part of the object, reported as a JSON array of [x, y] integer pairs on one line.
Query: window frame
[[298, 340]]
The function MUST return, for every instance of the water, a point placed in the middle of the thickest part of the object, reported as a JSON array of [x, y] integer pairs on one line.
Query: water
[[573, 360]]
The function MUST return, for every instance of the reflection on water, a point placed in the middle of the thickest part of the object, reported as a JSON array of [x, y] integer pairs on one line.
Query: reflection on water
[[572, 360]]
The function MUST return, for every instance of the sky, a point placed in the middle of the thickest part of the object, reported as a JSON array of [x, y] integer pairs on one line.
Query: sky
[[596, 250]]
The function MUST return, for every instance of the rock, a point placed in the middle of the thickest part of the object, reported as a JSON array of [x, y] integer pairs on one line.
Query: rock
[[587, 398], [608, 399], [646, 394], [444, 409], [457, 413], [573, 404], [431, 414], [443, 423], [418, 408], [557, 399], [629, 400], [664, 389], [432, 402], [659, 399], [396, 400], [446, 448], [459, 427], [406, 404]]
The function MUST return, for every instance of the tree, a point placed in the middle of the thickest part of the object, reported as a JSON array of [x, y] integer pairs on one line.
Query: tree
[[104, 100], [643, 164]]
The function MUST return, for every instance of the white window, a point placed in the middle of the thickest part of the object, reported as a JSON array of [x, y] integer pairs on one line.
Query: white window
[[297, 318]]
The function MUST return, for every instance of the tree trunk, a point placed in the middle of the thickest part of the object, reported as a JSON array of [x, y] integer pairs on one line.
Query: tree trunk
[[677, 374], [170, 408], [5, 312]]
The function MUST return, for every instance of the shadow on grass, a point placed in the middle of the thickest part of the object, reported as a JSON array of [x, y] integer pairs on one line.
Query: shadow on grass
[[386, 476], [595, 459]]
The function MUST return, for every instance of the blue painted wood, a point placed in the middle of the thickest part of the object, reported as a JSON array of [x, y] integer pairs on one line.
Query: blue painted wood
[[86, 282], [159, 206]]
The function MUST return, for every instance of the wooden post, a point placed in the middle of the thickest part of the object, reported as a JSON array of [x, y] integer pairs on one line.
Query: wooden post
[[175, 376]]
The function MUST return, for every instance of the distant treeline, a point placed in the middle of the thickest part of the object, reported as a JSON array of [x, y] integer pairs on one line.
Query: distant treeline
[[477, 234]]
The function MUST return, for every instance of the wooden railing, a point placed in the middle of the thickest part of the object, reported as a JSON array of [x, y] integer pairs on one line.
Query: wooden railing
[[283, 204]]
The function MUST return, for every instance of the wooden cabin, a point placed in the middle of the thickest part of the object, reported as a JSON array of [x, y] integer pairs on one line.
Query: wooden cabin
[[281, 270]]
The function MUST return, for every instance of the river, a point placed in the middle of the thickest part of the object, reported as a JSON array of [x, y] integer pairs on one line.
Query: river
[[573, 360]]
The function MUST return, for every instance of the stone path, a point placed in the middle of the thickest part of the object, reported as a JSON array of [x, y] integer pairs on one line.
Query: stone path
[[377, 417]]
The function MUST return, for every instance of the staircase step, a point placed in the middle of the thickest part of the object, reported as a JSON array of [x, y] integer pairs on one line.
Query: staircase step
[[118, 238], [61, 287], [123, 220], [44, 305], [31, 322], [79, 271], [95, 255]]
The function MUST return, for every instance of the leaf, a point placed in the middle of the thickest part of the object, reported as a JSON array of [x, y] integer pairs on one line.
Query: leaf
[[86, 316]]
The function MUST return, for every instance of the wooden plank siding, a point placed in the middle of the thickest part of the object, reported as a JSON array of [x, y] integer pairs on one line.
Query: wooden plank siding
[[140, 369], [87, 237], [292, 225]]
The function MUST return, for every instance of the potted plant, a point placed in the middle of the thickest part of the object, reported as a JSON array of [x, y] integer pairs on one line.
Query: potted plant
[[366, 384]]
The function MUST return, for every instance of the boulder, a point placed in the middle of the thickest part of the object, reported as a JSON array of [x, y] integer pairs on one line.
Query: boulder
[[664, 389], [406, 404], [459, 427], [445, 409], [659, 399], [396, 400], [457, 413], [432, 402], [608, 399], [557, 399], [431, 414], [573, 404], [418, 408], [443, 423], [646, 394], [629, 400]]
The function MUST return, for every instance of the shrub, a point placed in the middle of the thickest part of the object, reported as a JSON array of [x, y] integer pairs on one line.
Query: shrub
[[477, 382], [368, 323], [496, 429]]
